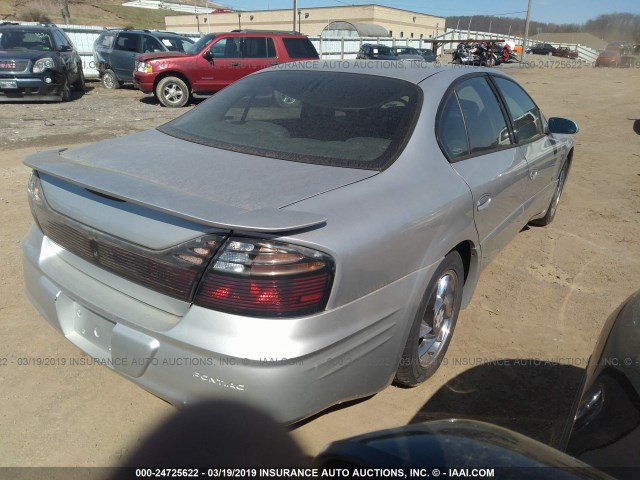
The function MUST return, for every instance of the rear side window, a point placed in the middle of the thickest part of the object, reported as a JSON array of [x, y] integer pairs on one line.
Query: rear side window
[[300, 48], [335, 122], [128, 42], [451, 131], [486, 125], [525, 114], [258, 47]]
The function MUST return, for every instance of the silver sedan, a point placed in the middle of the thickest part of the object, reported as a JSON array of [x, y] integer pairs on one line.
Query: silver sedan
[[292, 255]]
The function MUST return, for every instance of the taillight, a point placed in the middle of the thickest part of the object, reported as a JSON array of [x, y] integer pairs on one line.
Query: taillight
[[262, 278], [174, 271]]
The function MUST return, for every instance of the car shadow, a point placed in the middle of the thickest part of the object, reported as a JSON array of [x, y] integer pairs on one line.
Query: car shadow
[[636, 126], [531, 397], [152, 100]]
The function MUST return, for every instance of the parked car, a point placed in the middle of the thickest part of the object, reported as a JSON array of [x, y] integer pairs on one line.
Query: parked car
[[542, 49], [371, 51], [428, 55], [292, 257], [37, 62], [115, 51], [608, 58], [565, 52], [216, 61], [408, 53]]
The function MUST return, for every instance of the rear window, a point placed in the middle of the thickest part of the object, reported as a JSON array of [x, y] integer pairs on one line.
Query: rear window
[[326, 118], [300, 48]]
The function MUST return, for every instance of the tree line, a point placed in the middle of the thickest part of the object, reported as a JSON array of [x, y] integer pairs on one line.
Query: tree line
[[609, 27]]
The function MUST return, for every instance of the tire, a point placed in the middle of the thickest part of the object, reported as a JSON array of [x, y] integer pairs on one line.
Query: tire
[[553, 206], [109, 80], [457, 61], [65, 93], [172, 92], [433, 326], [284, 101], [78, 85], [491, 61]]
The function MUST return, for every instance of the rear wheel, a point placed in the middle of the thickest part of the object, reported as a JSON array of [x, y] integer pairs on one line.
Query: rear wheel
[[172, 92], [553, 206], [433, 326], [109, 79]]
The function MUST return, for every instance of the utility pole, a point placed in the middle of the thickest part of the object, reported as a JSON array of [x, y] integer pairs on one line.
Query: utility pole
[[295, 14], [526, 31], [64, 11]]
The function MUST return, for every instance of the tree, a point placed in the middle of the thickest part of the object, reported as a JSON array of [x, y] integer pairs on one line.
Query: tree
[[64, 11]]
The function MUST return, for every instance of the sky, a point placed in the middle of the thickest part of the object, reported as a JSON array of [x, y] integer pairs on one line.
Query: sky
[[556, 11]]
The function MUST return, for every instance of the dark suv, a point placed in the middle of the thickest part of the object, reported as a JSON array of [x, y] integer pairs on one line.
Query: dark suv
[[376, 52], [37, 62], [115, 51], [215, 61]]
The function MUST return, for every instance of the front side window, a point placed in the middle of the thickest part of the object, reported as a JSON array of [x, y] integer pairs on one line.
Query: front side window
[[525, 114], [486, 125], [328, 118], [151, 44], [175, 44], [226, 48]]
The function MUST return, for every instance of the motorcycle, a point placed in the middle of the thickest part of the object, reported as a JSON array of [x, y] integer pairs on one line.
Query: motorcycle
[[476, 54]]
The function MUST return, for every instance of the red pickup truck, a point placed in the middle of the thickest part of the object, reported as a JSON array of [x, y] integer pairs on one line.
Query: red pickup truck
[[215, 61]]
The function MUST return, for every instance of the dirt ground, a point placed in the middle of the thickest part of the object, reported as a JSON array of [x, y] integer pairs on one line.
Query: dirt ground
[[545, 297]]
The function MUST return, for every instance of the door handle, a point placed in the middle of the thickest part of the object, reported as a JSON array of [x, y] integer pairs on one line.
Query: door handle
[[235, 64], [275, 63], [533, 174], [484, 202]]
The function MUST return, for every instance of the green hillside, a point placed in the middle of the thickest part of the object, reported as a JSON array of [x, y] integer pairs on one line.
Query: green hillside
[[108, 13]]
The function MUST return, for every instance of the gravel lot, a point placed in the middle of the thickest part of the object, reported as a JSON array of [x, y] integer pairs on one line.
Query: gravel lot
[[544, 298]]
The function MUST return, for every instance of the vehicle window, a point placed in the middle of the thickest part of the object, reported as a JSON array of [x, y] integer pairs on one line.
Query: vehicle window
[[525, 113], [300, 48], [486, 126], [451, 130], [258, 47], [105, 40], [151, 44], [128, 42], [175, 44], [337, 122], [226, 48], [60, 39], [21, 40], [200, 44]]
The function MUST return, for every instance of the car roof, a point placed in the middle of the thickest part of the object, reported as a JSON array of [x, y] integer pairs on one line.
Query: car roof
[[414, 71], [33, 28]]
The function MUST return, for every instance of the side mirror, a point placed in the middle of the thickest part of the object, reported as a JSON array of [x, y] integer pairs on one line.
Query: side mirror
[[563, 125], [208, 55]]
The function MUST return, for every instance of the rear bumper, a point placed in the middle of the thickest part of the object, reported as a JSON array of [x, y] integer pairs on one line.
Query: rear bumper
[[30, 88], [291, 368]]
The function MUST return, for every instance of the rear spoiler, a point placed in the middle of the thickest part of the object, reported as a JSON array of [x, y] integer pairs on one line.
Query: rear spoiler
[[170, 200]]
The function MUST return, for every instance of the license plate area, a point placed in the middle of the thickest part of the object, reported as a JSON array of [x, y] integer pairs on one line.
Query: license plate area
[[9, 84]]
